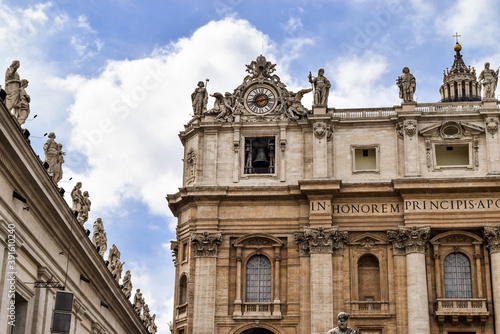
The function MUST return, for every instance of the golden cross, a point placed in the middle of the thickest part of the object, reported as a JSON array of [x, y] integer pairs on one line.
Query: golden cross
[[457, 36]]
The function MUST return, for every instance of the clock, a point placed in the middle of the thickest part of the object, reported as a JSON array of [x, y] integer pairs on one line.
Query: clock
[[261, 99]]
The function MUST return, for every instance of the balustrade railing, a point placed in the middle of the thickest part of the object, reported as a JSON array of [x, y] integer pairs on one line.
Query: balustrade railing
[[455, 306]]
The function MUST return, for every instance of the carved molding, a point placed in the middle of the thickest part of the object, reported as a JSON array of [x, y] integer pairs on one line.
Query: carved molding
[[451, 130], [321, 240], [492, 236], [492, 125], [409, 239], [206, 244]]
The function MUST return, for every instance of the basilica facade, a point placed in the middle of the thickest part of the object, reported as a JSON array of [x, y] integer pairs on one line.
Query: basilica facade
[[288, 216]]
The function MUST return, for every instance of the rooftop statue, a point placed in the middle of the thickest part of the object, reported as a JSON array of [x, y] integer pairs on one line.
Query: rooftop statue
[[24, 103], [13, 87], [146, 316], [77, 197], [83, 214], [294, 108], [152, 328], [407, 85], [199, 99], [138, 302], [113, 258], [321, 88], [342, 325], [489, 79], [127, 284], [261, 69], [222, 106], [99, 237], [54, 157]]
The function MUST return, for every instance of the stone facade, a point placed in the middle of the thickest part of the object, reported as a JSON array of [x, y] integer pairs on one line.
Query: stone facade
[[40, 239], [372, 211]]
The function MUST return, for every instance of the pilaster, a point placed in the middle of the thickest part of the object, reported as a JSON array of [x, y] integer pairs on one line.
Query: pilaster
[[322, 131], [492, 236], [206, 247]]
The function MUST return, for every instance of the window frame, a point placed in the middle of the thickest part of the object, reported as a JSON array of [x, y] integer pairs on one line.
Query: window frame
[[453, 143], [470, 278], [270, 281], [355, 148], [244, 157]]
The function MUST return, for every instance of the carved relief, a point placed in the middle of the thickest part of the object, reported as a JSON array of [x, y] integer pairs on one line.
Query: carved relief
[[400, 129], [191, 166], [492, 236], [321, 129], [409, 239], [410, 127], [321, 240], [451, 130], [206, 244], [428, 148], [258, 242], [492, 125]]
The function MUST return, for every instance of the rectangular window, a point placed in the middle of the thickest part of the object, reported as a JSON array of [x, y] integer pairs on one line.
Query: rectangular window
[[365, 159], [260, 155], [450, 155]]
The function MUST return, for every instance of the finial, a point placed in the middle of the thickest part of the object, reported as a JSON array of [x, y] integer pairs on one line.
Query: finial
[[457, 46]]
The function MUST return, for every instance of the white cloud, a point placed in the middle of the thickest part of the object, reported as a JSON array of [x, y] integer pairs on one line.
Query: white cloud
[[84, 24], [126, 121], [357, 82]]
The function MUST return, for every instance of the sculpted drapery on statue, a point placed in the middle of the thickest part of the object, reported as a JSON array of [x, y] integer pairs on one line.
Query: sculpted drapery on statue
[[127, 284], [321, 88], [322, 240], [407, 85], [12, 87], [138, 302], [199, 99], [99, 237], [54, 157], [489, 79], [342, 325]]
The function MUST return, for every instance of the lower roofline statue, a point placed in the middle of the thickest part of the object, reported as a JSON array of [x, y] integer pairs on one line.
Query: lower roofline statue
[[342, 325]]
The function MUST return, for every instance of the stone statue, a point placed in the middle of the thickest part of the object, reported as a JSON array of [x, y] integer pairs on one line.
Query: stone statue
[[99, 237], [113, 259], [146, 317], [489, 79], [24, 103], [294, 108], [117, 271], [222, 106], [13, 88], [83, 214], [407, 85], [77, 197], [321, 88], [53, 157], [127, 284], [138, 301], [199, 99], [342, 325], [152, 328]]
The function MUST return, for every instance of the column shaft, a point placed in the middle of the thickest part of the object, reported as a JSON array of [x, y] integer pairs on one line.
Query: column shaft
[[321, 293], [204, 295], [418, 304]]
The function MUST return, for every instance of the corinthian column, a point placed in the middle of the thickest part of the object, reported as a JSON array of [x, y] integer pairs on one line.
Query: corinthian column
[[492, 236], [320, 243], [413, 239], [206, 247]]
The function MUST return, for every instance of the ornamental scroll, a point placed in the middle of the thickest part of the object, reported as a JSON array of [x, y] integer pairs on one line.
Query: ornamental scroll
[[206, 244]]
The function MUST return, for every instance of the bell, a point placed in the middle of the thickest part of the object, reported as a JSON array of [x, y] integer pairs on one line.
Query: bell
[[261, 156]]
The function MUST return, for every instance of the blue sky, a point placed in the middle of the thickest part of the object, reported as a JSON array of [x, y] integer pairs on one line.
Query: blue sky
[[113, 80]]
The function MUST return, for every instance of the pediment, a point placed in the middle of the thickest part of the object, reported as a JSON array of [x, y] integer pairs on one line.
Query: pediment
[[257, 239], [456, 237], [368, 240], [452, 130]]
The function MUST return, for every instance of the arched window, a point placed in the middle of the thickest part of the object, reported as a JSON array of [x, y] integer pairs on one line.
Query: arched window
[[258, 280], [368, 278], [183, 290], [457, 276]]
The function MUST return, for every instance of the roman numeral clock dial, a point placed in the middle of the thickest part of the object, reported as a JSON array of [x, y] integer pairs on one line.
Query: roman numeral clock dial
[[260, 100]]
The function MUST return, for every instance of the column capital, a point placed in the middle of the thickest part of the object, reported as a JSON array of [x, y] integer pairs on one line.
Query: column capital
[[206, 244], [409, 239], [321, 240], [492, 236]]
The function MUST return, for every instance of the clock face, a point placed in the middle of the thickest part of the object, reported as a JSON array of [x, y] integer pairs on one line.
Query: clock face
[[260, 99]]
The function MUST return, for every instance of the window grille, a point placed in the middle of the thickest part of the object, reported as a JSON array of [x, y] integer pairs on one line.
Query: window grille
[[457, 276], [258, 280]]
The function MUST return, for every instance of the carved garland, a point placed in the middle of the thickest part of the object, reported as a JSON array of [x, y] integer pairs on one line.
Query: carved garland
[[321, 240], [206, 244]]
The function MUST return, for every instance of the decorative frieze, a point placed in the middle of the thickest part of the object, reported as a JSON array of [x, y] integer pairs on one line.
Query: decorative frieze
[[409, 239], [321, 240], [206, 244], [492, 236]]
